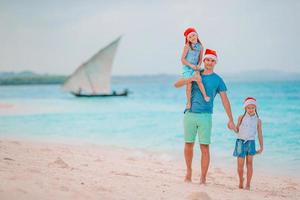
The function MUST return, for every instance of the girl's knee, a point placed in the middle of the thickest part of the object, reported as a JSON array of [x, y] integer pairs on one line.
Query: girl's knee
[[240, 169], [249, 163], [199, 78]]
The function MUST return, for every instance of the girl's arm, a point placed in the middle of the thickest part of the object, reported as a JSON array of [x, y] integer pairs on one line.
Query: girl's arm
[[238, 124], [183, 60], [260, 137]]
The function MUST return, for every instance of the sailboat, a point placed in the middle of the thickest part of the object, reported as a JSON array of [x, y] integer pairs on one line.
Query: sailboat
[[93, 78]]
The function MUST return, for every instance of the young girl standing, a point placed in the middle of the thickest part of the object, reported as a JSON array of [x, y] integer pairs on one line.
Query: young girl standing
[[249, 125], [191, 59]]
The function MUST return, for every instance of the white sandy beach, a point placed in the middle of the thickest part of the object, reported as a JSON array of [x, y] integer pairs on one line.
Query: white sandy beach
[[40, 170]]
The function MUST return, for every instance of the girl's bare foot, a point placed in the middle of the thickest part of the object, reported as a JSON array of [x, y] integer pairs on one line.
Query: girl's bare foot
[[207, 98], [241, 185], [188, 176], [247, 187]]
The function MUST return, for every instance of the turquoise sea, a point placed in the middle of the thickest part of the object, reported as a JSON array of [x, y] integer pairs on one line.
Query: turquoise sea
[[151, 118]]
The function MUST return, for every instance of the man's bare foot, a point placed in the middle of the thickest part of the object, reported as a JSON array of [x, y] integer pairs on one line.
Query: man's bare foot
[[188, 176], [207, 98], [202, 181], [247, 187]]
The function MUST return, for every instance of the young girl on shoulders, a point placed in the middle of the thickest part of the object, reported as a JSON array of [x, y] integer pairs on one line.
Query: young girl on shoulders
[[191, 59]]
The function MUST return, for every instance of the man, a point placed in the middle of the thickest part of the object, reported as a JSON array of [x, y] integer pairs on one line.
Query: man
[[198, 119]]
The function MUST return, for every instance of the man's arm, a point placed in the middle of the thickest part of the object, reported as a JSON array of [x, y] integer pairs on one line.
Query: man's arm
[[181, 82], [227, 108], [184, 81]]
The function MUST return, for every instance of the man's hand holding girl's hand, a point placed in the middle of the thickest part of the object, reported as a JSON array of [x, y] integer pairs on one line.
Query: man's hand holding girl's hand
[[231, 126]]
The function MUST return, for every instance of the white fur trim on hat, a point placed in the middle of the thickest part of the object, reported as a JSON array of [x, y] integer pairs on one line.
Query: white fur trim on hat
[[211, 56], [191, 33], [250, 102]]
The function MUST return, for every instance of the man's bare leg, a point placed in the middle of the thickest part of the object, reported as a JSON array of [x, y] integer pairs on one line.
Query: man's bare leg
[[205, 158], [240, 170], [188, 155]]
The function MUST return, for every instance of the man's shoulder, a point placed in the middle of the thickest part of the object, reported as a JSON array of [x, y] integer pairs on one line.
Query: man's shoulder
[[217, 76]]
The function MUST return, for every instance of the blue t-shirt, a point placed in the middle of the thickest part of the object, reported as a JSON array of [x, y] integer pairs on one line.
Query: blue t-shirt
[[213, 84]]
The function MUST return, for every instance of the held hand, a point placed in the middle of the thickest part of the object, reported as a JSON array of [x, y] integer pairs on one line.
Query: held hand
[[194, 67], [231, 126]]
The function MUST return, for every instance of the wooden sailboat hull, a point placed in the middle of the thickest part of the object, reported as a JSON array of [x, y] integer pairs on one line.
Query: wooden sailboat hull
[[114, 94]]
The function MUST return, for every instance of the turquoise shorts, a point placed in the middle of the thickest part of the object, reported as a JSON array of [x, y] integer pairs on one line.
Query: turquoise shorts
[[188, 74], [244, 148], [197, 124]]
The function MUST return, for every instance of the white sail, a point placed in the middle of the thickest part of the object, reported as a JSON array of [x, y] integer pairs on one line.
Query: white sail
[[94, 76]]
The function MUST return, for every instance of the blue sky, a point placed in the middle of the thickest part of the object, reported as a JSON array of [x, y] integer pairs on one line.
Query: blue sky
[[57, 36]]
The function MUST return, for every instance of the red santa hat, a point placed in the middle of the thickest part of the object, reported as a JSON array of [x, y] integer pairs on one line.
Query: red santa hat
[[212, 54], [187, 32], [250, 101]]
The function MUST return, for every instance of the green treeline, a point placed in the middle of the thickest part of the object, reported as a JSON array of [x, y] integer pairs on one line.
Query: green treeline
[[37, 79]]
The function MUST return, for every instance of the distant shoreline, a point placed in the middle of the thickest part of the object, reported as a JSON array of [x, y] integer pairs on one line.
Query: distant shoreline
[[32, 78]]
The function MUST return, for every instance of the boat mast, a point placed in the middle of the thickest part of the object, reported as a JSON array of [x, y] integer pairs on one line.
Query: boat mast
[[90, 82]]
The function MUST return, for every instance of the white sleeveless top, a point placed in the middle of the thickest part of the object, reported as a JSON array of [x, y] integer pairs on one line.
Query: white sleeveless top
[[248, 127]]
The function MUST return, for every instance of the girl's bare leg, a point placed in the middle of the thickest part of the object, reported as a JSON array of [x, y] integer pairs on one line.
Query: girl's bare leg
[[240, 169], [202, 89], [249, 163], [188, 95]]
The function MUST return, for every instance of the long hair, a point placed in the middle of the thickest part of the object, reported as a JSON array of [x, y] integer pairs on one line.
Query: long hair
[[256, 113], [190, 44]]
